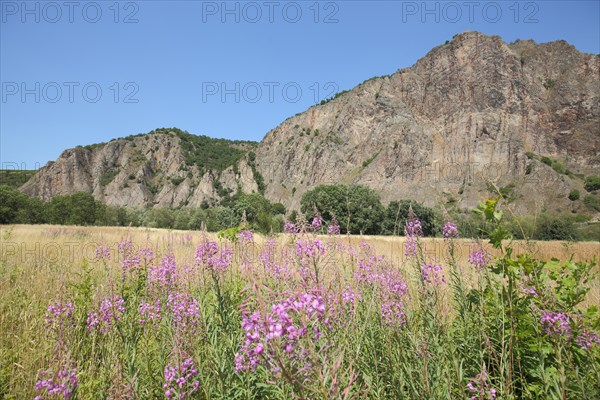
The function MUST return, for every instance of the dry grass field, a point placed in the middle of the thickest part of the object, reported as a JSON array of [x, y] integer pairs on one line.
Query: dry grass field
[[39, 262]]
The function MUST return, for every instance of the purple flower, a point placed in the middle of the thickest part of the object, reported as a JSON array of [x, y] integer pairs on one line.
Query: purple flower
[[125, 247], [556, 324], [412, 231], [432, 274], [102, 253], [111, 310], [146, 255], [296, 317], [179, 379], [150, 313], [480, 258], [450, 231], [290, 227], [333, 229], [245, 235], [163, 276], [59, 314], [211, 257], [530, 291], [586, 340], [392, 314], [60, 384], [309, 248], [184, 311], [483, 392], [413, 228], [316, 222], [130, 264]]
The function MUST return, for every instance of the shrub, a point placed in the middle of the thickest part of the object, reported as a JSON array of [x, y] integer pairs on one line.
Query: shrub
[[555, 227], [592, 183], [574, 195]]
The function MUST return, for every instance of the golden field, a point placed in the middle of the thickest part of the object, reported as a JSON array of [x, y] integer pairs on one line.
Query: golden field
[[47, 254]]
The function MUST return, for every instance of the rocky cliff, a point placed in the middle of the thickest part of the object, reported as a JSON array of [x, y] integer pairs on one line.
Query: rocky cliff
[[157, 169], [472, 112]]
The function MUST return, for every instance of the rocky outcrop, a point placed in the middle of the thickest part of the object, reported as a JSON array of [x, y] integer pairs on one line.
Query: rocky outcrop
[[462, 117], [139, 171], [473, 112]]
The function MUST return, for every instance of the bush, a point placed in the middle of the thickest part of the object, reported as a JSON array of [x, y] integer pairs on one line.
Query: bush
[[574, 195], [555, 227], [592, 183]]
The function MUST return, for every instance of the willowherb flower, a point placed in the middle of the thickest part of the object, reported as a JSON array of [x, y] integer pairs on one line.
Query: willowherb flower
[[482, 392], [392, 314], [150, 313], [556, 324], [290, 227], [298, 316], [163, 276], [125, 247], [211, 257], [374, 272], [184, 311], [179, 379], [413, 228], [111, 310], [450, 231], [279, 270], [410, 247], [245, 235], [130, 264], [412, 231], [309, 248], [146, 256], [341, 306], [432, 274], [59, 314], [586, 340], [317, 222], [59, 384], [120, 390], [102, 253], [480, 258], [333, 228]]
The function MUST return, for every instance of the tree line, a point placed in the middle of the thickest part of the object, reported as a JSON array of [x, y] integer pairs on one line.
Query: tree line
[[356, 209]]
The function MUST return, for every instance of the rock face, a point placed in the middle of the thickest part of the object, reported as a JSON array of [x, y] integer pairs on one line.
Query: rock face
[[465, 114], [148, 170], [473, 112]]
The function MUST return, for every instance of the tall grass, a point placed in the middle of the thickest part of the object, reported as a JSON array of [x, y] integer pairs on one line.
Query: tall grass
[[123, 314]]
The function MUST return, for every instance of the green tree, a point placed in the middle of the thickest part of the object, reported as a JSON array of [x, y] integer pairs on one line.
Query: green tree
[[82, 209], [555, 227], [396, 215], [358, 208], [17, 207]]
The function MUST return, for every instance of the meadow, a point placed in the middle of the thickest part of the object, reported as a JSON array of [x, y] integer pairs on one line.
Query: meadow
[[140, 313]]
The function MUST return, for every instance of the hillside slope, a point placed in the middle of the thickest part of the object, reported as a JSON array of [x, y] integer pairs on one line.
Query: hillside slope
[[165, 168]]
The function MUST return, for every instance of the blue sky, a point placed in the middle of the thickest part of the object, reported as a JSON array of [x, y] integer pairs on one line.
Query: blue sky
[[84, 72]]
